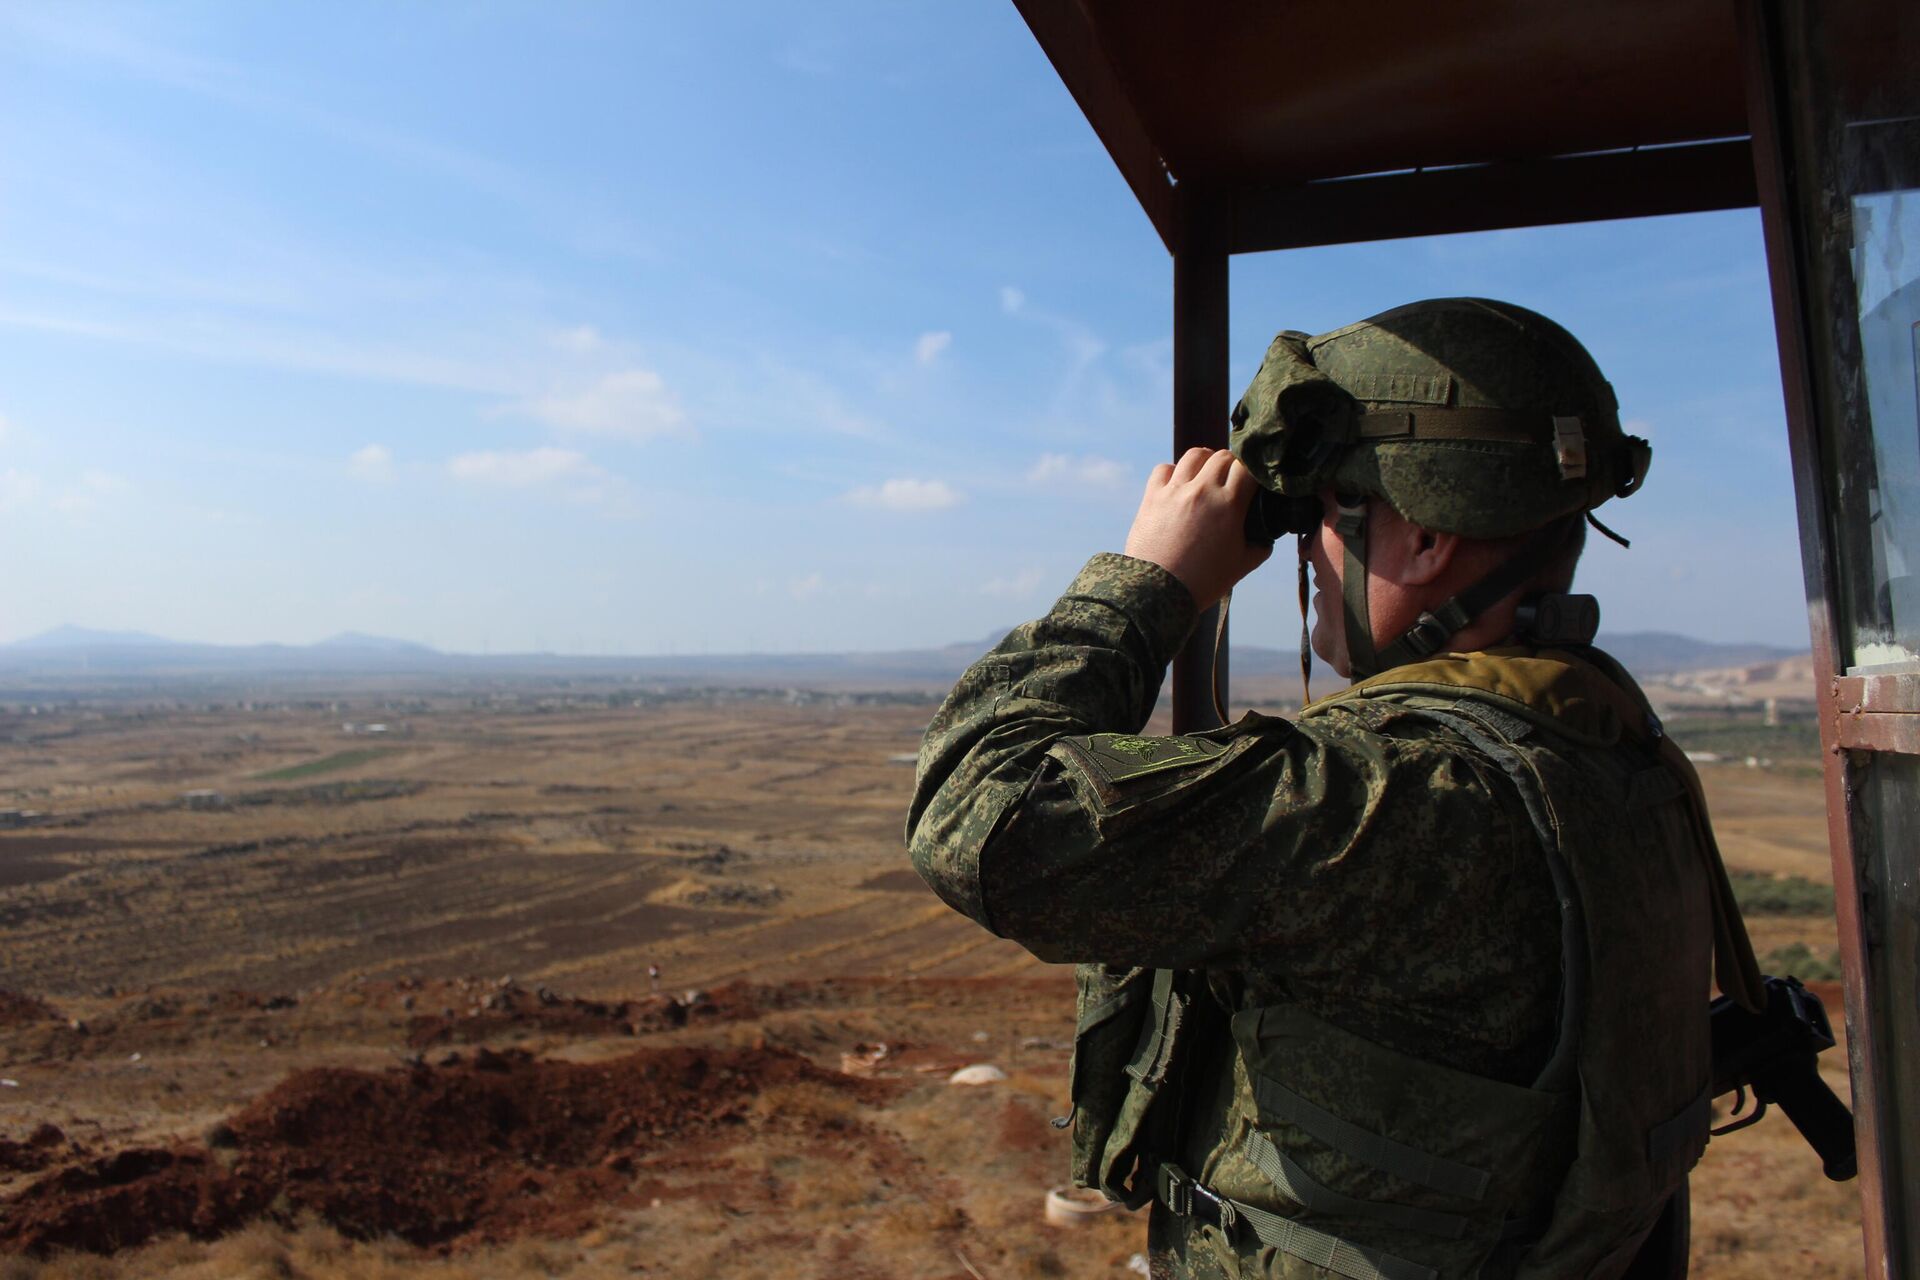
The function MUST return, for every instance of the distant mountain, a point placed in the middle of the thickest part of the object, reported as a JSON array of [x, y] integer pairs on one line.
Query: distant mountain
[[1256, 660], [361, 642], [77, 651], [1653, 653], [80, 651], [71, 637]]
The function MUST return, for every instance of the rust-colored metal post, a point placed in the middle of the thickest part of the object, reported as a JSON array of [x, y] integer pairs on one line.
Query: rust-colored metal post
[[1200, 405], [1776, 166]]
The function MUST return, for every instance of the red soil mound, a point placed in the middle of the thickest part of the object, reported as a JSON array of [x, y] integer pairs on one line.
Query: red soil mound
[[488, 1148], [17, 1009], [507, 1007], [37, 1152]]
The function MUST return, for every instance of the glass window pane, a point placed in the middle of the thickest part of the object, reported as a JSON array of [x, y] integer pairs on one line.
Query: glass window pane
[[1886, 260], [1888, 832], [1853, 79]]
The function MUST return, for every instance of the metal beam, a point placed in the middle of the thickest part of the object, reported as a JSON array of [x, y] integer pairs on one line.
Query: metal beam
[[1485, 197], [1063, 31], [1200, 407], [1777, 166], [1877, 694], [1877, 713], [1899, 734]]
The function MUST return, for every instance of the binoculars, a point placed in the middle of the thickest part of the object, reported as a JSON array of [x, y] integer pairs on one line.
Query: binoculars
[[1271, 516]]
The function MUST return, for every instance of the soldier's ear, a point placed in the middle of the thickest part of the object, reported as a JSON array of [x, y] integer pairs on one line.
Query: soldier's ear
[[1429, 554]]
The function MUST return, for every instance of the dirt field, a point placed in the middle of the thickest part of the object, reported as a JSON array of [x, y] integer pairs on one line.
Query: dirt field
[[283, 1002]]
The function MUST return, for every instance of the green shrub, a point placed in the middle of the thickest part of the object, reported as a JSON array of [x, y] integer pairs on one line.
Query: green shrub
[[1764, 895], [1797, 960]]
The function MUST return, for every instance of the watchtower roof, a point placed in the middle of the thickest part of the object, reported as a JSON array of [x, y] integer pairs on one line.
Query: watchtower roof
[[1325, 123]]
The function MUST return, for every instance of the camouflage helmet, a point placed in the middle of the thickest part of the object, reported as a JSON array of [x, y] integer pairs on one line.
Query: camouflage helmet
[[1468, 416]]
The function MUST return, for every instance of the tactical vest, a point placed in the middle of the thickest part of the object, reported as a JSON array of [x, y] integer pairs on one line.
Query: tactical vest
[[1340, 1156]]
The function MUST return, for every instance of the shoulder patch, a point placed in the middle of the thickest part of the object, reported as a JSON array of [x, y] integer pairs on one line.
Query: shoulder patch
[[1120, 757]]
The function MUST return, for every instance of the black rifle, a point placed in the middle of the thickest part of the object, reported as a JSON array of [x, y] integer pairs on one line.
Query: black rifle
[[1775, 1053]]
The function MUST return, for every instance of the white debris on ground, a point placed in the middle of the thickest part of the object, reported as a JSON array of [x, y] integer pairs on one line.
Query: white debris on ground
[[978, 1073]]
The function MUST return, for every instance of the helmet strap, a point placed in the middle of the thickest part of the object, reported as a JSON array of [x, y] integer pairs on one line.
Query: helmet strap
[[1219, 648], [1306, 637], [1430, 634], [1352, 526], [1606, 531]]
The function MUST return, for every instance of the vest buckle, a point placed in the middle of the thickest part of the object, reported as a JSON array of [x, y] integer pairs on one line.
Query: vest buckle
[[1186, 1198], [1175, 1189], [1427, 636]]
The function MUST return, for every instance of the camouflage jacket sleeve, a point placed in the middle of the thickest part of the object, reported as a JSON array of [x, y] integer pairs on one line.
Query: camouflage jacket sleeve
[[1307, 848], [1093, 663]]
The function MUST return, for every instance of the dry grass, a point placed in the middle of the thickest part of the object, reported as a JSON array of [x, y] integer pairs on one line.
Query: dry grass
[[313, 1252], [539, 845], [563, 848]]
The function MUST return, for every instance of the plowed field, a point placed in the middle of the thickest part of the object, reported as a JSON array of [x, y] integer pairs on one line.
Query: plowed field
[[385, 1010]]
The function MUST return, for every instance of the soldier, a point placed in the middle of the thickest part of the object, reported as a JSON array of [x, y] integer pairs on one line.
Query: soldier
[[1414, 984]]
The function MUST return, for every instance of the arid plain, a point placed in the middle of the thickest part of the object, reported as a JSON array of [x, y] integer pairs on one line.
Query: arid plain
[[281, 1000]]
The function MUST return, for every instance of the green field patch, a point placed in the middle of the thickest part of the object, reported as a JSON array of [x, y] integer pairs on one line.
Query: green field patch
[[327, 764], [1798, 960], [1735, 737], [1764, 895]]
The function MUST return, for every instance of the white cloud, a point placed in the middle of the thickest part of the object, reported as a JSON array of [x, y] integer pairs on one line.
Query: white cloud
[[805, 588], [120, 42], [103, 482], [930, 345], [905, 494], [249, 344], [1083, 390], [89, 491], [1017, 586], [372, 463], [782, 398], [633, 404], [17, 488], [1087, 471], [562, 471], [78, 497], [520, 470], [581, 340]]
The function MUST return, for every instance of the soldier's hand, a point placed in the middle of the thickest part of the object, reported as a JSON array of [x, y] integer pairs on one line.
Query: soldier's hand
[[1192, 521]]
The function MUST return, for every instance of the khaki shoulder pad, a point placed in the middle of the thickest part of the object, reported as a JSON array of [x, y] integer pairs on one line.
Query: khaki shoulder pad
[[1121, 757]]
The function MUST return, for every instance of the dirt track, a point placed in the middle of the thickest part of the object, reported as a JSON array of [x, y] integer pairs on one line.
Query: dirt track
[[230, 1029]]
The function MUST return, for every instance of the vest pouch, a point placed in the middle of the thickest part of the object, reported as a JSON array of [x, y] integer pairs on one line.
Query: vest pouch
[[1607, 1205], [1643, 1121], [1438, 1160], [1125, 1037], [1635, 1145]]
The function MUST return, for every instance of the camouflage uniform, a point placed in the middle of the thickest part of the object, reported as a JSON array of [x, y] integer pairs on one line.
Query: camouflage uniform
[[1297, 858], [1414, 984], [1363, 867]]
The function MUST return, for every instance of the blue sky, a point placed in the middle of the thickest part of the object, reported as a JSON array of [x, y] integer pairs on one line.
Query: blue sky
[[650, 328]]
